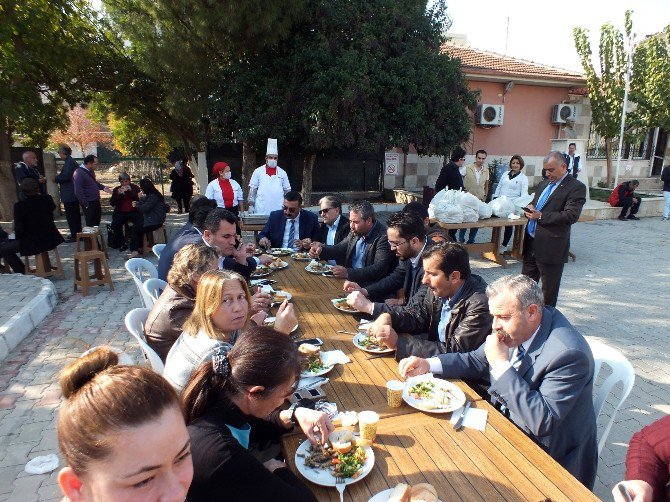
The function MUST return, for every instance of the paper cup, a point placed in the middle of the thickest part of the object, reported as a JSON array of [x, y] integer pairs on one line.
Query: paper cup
[[394, 390], [367, 424]]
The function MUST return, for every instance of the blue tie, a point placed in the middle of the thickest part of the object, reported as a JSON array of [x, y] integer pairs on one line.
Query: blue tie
[[540, 204], [291, 234], [445, 317]]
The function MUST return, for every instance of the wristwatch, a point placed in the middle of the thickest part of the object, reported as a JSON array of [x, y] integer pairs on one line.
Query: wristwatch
[[292, 409]]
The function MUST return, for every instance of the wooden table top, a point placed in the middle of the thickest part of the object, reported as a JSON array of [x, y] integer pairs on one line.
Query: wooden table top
[[486, 223], [501, 463]]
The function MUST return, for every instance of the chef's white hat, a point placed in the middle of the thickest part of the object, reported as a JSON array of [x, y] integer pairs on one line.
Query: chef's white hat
[[272, 147]]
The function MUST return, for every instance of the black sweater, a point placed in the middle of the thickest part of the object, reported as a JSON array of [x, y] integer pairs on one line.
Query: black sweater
[[224, 470]]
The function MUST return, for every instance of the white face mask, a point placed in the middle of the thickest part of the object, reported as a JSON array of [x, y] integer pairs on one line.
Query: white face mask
[[272, 163], [227, 175]]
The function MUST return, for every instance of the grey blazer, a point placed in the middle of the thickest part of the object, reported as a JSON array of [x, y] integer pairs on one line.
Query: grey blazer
[[550, 396]]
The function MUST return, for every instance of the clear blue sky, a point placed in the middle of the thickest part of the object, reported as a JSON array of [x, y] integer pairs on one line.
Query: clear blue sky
[[541, 31]]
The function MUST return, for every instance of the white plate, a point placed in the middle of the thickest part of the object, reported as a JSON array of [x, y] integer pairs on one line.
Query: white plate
[[307, 374], [280, 251], [309, 269], [306, 258], [372, 351], [324, 477], [382, 496], [269, 265], [271, 320], [338, 300], [287, 296], [259, 273], [457, 401]]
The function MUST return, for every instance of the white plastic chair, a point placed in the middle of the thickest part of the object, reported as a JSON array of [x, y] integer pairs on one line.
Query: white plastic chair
[[622, 371], [141, 270], [157, 249], [135, 320], [154, 288]]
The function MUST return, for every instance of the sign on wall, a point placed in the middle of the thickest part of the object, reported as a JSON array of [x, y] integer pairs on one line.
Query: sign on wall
[[392, 163]]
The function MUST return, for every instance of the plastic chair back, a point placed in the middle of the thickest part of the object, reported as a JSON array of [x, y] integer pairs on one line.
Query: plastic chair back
[[134, 321], [154, 288], [157, 249], [141, 270], [622, 371]]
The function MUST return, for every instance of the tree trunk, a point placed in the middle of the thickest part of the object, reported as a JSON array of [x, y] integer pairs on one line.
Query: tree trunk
[[248, 165], [7, 181], [608, 161], [307, 167]]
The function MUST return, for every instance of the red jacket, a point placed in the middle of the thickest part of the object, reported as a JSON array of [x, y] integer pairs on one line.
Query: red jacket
[[648, 457], [622, 191]]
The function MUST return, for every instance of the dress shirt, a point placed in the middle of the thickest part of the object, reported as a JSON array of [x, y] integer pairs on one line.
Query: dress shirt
[[415, 261], [287, 228], [330, 237], [361, 247], [445, 317]]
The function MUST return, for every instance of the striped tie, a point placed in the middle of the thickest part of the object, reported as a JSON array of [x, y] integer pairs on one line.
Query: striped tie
[[291, 234], [516, 362]]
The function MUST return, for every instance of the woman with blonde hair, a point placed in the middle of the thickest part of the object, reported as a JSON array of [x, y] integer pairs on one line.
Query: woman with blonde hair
[[121, 432], [221, 312], [175, 305]]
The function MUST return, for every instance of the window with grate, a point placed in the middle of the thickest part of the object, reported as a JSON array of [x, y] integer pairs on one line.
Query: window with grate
[[640, 150]]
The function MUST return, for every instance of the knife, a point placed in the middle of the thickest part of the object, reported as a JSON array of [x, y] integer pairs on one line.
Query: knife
[[459, 423]]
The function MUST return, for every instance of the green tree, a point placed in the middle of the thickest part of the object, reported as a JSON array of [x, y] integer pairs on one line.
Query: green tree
[[363, 74], [606, 87], [133, 138]]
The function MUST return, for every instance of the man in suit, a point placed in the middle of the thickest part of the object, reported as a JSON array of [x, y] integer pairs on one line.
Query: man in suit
[[287, 227], [67, 196], [557, 205], [407, 238], [28, 169], [451, 315], [540, 370], [365, 252], [572, 160], [334, 226]]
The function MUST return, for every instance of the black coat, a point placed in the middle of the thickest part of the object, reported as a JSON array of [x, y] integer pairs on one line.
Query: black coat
[[64, 179], [181, 186], [401, 277], [340, 234], [34, 225], [450, 178], [378, 259], [665, 178], [21, 172]]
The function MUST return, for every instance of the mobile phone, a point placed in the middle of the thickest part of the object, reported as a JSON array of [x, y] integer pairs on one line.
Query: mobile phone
[[527, 209], [328, 273], [313, 393], [314, 341]]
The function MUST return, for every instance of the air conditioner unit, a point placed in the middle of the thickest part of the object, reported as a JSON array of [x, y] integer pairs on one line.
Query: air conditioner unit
[[490, 115], [563, 112]]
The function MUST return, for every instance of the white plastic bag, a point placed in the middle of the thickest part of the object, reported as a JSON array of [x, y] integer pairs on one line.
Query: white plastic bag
[[484, 210], [502, 206], [449, 213], [469, 215], [465, 199], [42, 464], [523, 201]]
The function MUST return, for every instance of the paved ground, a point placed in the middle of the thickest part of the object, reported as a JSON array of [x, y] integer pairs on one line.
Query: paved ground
[[616, 291]]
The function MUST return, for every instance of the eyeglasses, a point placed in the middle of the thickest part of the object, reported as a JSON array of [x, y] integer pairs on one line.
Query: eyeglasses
[[395, 245], [291, 209], [324, 211]]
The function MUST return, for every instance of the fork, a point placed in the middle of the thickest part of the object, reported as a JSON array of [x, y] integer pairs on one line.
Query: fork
[[340, 485]]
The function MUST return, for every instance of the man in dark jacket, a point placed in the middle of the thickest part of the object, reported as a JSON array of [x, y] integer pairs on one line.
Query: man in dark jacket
[[450, 176], [452, 316], [623, 196], [122, 200], [407, 237], [67, 196], [334, 226], [286, 226], [87, 189], [28, 169], [365, 253]]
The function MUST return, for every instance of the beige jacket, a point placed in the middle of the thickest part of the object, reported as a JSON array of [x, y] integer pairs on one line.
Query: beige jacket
[[470, 181]]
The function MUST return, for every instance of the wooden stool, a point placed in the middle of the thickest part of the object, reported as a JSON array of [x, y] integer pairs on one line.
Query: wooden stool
[[91, 241], [149, 239], [82, 276], [43, 266]]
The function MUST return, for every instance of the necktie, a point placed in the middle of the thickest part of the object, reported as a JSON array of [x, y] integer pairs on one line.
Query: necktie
[[540, 204], [291, 234], [445, 317], [519, 357]]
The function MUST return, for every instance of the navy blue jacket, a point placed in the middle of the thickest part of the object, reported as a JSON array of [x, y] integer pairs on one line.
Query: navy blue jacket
[[64, 179], [274, 228]]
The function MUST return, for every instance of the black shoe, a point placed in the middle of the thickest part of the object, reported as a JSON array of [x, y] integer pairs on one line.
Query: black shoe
[[623, 218], [633, 217]]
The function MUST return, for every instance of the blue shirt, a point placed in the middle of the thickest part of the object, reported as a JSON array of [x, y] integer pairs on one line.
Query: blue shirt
[[361, 247]]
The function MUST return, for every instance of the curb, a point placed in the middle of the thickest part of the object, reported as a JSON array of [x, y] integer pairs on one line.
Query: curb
[[19, 326]]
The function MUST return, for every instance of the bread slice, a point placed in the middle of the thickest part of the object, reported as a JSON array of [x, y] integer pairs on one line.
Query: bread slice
[[341, 440], [423, 492], [307, 349], [400, 493]]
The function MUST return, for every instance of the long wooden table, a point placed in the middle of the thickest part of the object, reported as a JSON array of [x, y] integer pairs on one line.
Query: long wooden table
[[501, 463], [489, 250]]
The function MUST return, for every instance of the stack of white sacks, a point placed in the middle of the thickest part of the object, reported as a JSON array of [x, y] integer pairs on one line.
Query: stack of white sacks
[[452, 206]]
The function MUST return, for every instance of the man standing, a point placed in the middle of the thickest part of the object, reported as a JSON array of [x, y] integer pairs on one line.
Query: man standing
[[476, 182], [450, 175], [572, 160], [67, 196], [623, 196], [87, 190], [407, 237], [557, 205], [268, 183], [451, 316], [28, 169], [288, 227], [540, 370], [365, 253], [665, 178]]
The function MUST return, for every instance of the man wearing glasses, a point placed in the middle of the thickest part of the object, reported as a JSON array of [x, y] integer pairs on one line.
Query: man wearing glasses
[[288, 227], [334, 227], [268, 183]]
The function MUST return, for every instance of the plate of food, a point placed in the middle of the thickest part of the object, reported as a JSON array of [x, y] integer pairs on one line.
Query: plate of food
[[280, 251], [270, 323], [312, 365], [403, 492], [342, 305], [277, 264], [279, 296], [427, 393], [318, 267], [301, 256], [369, 343], [341, 457], [261, 271]]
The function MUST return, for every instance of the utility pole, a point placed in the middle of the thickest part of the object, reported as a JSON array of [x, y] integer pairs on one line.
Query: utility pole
[[507, 36]]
